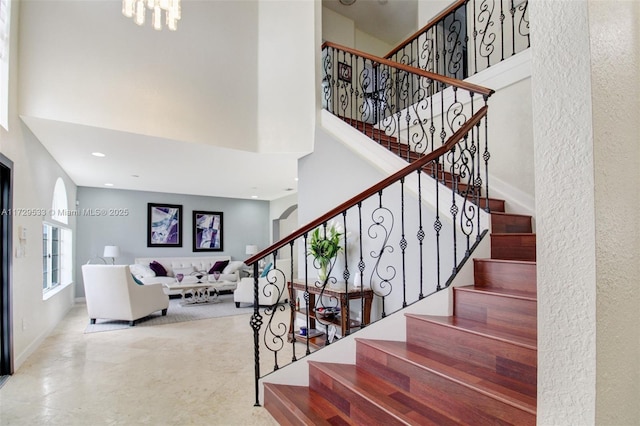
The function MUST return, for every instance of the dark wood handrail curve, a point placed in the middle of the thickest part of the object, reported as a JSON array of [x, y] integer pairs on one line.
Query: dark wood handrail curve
[[431, 23], [417, 71], [405, 171]]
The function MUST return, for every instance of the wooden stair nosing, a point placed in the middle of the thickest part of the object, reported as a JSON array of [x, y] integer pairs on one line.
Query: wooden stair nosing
[[513, 294], [459, 372], [349, 375]]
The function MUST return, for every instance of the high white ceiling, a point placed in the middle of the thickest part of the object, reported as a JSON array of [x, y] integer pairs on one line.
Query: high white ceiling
[[174, 112]]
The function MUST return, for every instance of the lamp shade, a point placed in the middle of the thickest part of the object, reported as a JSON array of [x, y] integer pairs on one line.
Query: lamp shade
[[111, 251], [251, 249]]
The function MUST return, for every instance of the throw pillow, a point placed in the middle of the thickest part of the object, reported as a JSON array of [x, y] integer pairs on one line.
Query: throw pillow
[[137, 280], [233, 266], [218, 266], [158, 269], [141, 271], [266, 270]]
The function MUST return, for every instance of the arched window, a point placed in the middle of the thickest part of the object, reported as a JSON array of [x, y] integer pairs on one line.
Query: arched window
[[59, 206], [57, 244]]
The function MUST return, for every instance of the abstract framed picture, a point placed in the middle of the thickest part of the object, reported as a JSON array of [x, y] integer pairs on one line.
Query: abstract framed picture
[[344, 72], [164, 225], [207, 231]]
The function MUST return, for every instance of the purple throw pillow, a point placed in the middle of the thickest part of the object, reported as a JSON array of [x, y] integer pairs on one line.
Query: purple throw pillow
[[219, 266], [158, 269]]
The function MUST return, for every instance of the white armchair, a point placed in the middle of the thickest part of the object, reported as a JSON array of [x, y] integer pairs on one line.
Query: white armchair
[[111, 293], [272, 288]]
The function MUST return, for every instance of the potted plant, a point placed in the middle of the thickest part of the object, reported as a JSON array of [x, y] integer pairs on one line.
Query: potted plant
[[324, 246]]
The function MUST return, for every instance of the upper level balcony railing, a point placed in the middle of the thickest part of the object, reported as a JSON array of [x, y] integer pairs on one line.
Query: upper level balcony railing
[[467, 37]]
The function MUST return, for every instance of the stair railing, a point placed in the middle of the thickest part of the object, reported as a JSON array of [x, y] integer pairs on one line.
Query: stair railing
[[467, 37], [408, 110], [400, 240]]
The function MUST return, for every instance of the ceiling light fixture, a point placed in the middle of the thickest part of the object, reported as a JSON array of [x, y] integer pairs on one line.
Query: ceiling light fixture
[[108, 184], [136, 9], [98, 154]]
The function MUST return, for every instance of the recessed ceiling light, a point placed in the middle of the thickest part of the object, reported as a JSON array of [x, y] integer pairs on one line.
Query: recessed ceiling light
[[254, 196], [136, 176], [98, 154], [108, 184]]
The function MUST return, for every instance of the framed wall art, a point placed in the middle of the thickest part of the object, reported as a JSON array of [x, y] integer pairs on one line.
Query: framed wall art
[[207, 231], [344, 72], [164, 225]]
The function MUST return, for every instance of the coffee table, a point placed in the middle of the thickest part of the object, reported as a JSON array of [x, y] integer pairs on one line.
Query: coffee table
[[199, 292]]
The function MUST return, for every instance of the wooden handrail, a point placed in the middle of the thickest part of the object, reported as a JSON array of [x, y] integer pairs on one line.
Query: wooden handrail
[[418, 164], [431, 23], [413, 70]]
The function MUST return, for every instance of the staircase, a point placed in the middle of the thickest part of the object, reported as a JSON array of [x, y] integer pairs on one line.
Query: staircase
[[476, 367]]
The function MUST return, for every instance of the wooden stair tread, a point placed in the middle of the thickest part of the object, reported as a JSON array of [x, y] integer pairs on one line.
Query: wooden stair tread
[[306, 405], [507, 390], [393, 400], [476, 327], [516, 294]]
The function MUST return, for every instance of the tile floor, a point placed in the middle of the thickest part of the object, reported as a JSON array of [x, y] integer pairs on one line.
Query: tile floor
[[191, 373]]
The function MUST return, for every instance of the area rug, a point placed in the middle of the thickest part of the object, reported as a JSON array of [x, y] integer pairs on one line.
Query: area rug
[[223, 307]]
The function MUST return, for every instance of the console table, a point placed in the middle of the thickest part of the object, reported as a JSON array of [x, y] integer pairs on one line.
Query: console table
[[342, 319]]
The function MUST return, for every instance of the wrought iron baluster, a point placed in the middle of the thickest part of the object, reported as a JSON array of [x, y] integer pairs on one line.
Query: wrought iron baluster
[[512, 10], [475, 38], [306, 293], [361, 265], [420, 235], [256, 325], [403, 246], [486, 156], [501, 30]]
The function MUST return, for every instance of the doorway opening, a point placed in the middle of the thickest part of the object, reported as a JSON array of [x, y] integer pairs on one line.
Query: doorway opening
[[6, 224]]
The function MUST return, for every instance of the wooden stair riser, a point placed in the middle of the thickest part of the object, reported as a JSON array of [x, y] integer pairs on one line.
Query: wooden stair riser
[[505, 358], [365, 399], [518, 315], [444, 395], [505, 275], [510, 223], [513, 246]]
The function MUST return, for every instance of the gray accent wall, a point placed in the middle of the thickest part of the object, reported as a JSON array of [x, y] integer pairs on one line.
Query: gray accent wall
[[244, 222]]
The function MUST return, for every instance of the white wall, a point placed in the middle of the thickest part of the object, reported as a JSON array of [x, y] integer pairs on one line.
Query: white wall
[[34, 176], [286, 75], [341, 30], [615, 95]]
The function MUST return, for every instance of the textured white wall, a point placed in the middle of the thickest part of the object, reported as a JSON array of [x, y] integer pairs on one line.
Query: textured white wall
[[563, 156], [615, 54]]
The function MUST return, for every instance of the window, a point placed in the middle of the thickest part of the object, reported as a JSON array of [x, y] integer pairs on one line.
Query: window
[[57, 247], [56, 256]]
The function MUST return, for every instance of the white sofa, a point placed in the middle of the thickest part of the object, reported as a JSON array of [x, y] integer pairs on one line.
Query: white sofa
[[111, 293], [227, 281], [272, 289]]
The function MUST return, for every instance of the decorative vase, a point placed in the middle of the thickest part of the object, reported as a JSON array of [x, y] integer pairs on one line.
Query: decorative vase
[[323, 274], [179, 277]]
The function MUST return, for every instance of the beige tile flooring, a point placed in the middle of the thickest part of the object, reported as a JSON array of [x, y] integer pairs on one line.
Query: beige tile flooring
[[191, 373]]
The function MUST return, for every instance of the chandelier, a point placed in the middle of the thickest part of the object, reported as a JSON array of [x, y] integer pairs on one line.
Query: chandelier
[[137, 9]]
